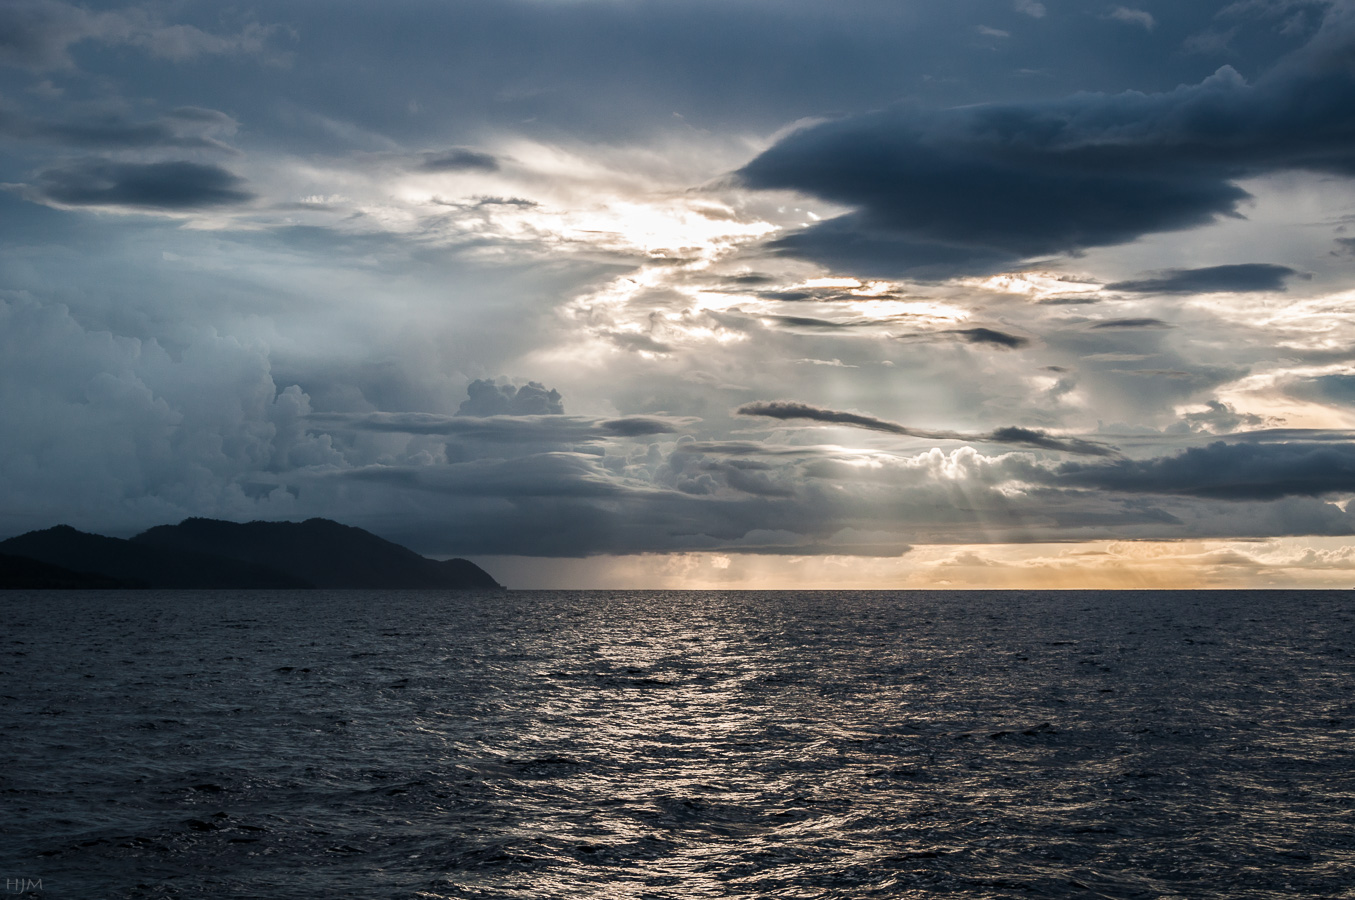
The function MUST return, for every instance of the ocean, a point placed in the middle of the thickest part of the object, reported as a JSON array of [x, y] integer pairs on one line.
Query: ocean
[[677, 745]]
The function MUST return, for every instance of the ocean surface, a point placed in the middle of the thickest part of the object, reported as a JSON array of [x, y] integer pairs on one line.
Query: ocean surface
[[677, 745]]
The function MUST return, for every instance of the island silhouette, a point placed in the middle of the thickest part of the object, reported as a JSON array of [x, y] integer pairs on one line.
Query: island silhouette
[[210, 553]]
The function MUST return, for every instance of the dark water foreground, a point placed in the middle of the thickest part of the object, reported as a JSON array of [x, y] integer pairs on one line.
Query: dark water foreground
[[684, 745]]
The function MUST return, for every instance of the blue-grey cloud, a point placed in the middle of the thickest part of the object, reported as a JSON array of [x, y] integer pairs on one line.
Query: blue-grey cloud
[[508, 429], [187, 127], [38, 34], [485, 398], [551, 474], [1225, 471], [178, 185], [976, 187], [1335, 388], [1239, 278]]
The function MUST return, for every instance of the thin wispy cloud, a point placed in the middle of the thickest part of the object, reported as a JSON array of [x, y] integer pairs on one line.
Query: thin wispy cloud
[[1016, 436], [1130, 16]]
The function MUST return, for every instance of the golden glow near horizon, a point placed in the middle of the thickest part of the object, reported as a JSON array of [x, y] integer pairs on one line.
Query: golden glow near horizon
[[1290, 562]]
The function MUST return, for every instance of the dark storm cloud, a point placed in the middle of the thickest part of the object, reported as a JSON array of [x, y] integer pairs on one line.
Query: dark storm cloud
[[856, 243], [969, 188], [518, 428], [1224, 471], [459, 159], [1014, 436], [1235, 279], [160, 185], [485, 398]]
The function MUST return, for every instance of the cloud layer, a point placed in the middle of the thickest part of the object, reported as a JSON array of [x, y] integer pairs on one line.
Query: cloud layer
[[980, 187], [478, 277]]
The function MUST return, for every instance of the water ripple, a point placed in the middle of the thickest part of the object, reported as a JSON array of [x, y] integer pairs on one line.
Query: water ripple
[[683, 745]]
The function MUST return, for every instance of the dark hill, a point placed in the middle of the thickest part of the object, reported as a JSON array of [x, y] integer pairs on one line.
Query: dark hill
[[140, 565], [22, 573], [320, 552]]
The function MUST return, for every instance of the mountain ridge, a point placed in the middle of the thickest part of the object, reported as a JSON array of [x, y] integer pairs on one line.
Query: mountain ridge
[[212, 553]]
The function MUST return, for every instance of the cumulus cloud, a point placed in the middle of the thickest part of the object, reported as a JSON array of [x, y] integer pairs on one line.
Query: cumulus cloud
[[977, 187], [1015, 436], [121, 431], [489, 399], [1219, 418], [1236, 279], [176, 186]]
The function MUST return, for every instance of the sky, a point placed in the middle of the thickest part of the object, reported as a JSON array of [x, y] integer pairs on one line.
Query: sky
[[693, 293]]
